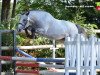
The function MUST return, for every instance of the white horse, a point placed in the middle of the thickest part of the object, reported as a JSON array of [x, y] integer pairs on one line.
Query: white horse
[[45, 24]]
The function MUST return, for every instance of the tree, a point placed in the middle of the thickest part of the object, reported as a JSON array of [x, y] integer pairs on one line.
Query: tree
[[5, 11], [13, 9]]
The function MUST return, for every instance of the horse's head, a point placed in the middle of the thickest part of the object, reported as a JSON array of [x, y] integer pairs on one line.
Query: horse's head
[[23, 22]]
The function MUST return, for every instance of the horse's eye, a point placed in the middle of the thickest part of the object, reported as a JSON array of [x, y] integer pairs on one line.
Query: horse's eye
[[24, 20]]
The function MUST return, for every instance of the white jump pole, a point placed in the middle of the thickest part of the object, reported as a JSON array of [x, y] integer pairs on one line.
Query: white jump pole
[[78, 56], [54, 50]]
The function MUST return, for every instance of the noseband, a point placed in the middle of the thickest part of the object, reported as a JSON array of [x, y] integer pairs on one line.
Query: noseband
[[21, 24]]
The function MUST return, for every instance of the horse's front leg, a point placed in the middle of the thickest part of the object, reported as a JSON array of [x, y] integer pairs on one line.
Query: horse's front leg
[[30, 35]]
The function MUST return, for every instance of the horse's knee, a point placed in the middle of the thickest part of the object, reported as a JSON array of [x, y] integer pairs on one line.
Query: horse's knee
[[30, 35]]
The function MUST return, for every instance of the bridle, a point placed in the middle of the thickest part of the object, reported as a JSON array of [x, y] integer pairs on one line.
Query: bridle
[[27, 13], [21, 24]]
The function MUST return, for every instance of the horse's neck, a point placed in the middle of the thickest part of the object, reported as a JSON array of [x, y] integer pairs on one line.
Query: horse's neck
[[40, 14], [43, 20]]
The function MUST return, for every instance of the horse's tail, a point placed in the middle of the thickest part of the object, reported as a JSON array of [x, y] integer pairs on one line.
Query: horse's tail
[[82, 30]]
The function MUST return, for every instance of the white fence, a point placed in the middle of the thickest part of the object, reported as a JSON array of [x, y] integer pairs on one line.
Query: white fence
[[82, 55]]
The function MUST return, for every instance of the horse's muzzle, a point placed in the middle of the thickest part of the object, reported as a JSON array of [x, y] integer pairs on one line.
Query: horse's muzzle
[[19, 30]]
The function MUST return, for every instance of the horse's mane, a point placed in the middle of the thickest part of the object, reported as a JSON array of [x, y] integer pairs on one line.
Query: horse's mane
[[33, 10]]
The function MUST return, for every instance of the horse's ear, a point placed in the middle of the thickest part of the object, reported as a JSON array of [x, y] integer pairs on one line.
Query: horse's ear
[[27, 13]]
